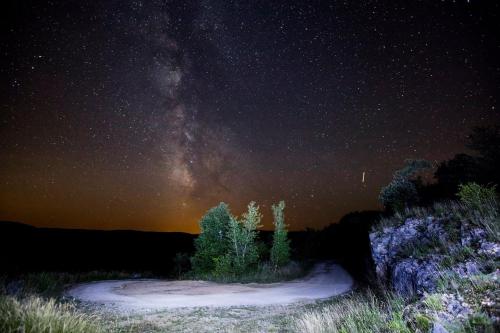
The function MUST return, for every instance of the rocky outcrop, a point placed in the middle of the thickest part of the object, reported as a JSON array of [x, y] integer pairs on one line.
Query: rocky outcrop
[[400, 258], [414, 256], [411, 256]]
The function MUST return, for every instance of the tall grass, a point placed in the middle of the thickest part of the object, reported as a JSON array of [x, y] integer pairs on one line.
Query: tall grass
[[357, 313], [37, 315]]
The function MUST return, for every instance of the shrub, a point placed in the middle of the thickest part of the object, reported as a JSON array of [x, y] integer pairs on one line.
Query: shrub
[[280, 252], [477, 197], [36, 315], [401, 191], [481, 208], [212, 241]]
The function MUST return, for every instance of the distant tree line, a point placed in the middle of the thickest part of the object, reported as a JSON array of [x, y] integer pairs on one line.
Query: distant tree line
[[481, 167]]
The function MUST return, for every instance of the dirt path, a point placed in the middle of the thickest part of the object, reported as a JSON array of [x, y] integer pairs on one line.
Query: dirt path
[[324, 281]]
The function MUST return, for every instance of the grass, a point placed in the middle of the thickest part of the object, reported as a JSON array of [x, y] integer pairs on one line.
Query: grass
[[37, 315], [361, 313], [264, 273], [452, 214], [433, 302]]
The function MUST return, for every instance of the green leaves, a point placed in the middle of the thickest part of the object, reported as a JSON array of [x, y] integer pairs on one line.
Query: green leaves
[[228, 246], [212, 242], [280, 252]]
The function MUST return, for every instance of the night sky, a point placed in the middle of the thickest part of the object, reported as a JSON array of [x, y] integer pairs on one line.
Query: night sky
[[144, 114]]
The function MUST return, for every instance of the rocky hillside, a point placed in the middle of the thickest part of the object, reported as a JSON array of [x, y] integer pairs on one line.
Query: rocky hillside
[[445, 262]]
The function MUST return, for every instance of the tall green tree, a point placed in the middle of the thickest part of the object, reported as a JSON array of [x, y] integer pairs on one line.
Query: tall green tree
[[280, 252], [242, 236], [212, 242]]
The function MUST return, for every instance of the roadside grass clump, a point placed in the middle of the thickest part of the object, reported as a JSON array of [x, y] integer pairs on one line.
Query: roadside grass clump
[[37, 315], [361, 312]]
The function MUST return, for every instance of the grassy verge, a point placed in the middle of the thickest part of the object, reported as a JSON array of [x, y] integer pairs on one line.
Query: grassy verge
[[35, 314], [32, 303], [264, 273], [358, 312]]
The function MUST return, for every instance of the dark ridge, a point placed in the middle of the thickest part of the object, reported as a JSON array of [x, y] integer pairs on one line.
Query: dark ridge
[[24, 248]]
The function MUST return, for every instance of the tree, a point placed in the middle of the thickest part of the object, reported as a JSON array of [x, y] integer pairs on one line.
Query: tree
[[241, 237], [280, 252], [212, 241], [402, 191]]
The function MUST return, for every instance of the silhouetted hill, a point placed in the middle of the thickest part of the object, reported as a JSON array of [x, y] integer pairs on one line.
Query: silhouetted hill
[[24, 248], [28, 248]]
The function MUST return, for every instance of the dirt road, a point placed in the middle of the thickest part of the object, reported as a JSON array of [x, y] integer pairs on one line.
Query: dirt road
[[325, 280]]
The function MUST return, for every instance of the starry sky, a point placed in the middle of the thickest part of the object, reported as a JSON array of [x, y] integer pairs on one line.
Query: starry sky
[[144, 114]]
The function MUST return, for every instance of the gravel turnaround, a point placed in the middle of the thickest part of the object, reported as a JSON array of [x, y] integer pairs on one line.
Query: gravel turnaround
[[129, 296]]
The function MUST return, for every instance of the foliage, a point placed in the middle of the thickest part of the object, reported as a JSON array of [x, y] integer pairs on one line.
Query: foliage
[[241, 237], [36, 315], [402, 192], [212, 241], [227, 245], [223, 267], [477, 197], [280, 252], [239, 257]]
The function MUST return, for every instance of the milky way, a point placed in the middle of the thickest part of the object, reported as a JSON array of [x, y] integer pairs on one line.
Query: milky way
[[144, 114]]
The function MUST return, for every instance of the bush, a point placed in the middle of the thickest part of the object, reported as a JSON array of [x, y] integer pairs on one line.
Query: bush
[[402, 192], [481, 208], [477, 197], [37, 315]]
